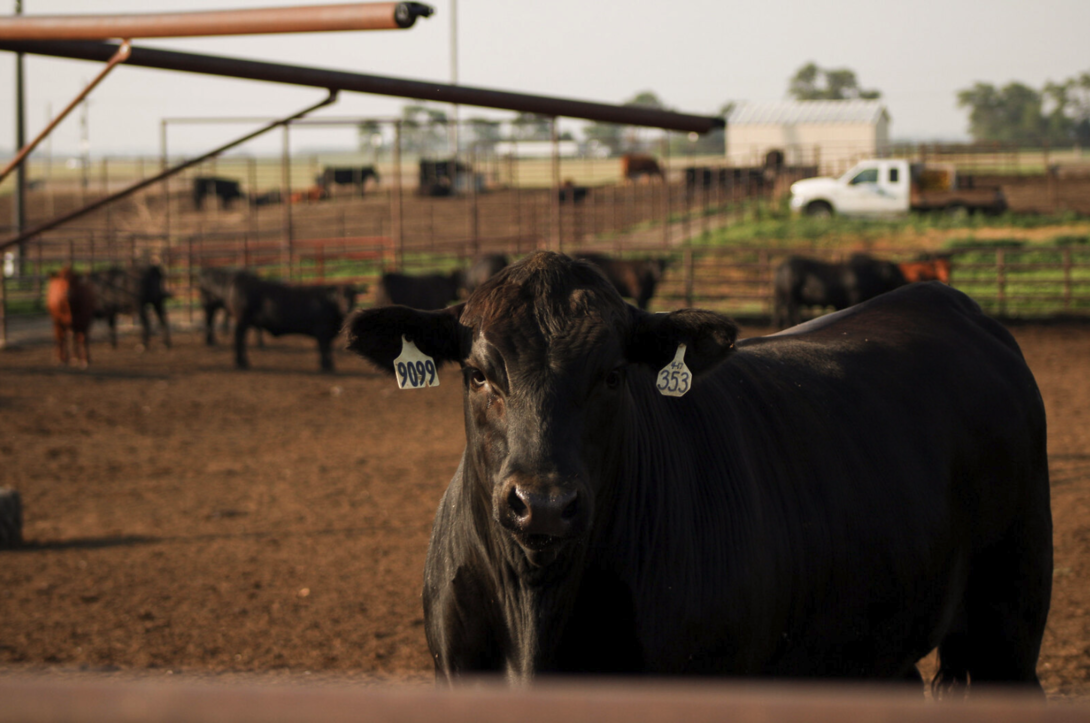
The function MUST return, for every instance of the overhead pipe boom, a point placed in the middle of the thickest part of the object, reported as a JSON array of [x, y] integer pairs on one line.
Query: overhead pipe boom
[[307, 19], [379, 85]]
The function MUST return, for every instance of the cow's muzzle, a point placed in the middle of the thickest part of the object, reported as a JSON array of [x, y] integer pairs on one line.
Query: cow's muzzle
[[541, 515]]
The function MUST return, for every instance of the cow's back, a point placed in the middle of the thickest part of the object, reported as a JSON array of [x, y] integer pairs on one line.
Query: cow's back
[[859, 461]]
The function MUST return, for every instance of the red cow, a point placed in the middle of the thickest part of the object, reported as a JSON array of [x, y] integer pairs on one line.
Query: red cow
[[634, 165], [71, 303], [937, 269]]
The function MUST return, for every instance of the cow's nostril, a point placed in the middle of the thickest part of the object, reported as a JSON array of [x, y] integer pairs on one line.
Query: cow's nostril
[[516, 504], [571, 510]]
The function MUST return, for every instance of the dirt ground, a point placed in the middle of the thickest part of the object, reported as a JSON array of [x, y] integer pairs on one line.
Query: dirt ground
[[183, 516]]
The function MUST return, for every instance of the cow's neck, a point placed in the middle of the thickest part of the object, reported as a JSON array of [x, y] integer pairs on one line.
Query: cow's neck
[[534, 601]]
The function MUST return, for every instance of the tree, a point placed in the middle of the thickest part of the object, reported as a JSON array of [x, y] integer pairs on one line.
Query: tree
[[813, 83], [1059, 114], [1011, 114], [532, 127], [484, 132], [370, 137], [423, 129]]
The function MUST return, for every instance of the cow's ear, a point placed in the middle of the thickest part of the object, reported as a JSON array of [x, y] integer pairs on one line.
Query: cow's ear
[[708, 337], [375, 334]]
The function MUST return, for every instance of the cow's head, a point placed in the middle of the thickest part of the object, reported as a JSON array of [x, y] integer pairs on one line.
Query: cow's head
[[547, 349]]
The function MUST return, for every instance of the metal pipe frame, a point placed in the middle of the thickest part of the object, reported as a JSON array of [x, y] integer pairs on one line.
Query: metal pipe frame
[[257, 21], [119, 57], [379, 85], [94, 206]]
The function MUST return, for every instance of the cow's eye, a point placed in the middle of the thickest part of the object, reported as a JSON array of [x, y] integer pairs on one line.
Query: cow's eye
[[477, 378], [614, 379]]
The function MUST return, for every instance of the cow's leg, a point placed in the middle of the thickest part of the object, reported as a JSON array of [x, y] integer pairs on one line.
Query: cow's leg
[[112, 321], [82, 347], [1007, 601], [240, 344], [145, 327], [209, 324], [61, 335], [164, 324], [325, 353]]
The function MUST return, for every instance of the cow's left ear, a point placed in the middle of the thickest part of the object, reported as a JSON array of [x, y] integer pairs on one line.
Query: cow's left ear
[[708, 337], [375, 334]]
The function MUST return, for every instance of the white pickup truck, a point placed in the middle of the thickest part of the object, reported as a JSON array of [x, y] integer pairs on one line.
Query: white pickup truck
[[890, 186]]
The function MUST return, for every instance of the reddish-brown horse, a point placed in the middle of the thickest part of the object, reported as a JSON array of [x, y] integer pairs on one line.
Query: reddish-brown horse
[[71, 303], [936, 269]]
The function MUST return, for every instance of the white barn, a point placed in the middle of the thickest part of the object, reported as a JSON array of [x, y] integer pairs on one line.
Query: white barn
[[831, 134]]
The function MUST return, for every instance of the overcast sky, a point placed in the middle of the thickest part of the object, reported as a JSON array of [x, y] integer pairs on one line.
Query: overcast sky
[[695, 55]]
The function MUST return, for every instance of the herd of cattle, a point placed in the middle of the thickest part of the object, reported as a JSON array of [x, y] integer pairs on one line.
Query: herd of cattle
[[644, 493], [319, 311]]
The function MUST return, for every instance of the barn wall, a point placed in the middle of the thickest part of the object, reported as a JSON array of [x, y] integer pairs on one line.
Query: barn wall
[[832, 146]]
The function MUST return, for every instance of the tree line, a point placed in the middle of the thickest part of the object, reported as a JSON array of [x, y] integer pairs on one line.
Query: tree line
[[1058, 114]]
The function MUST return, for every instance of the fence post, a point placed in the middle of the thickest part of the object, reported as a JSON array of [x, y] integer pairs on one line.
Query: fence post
[[395, 215], [285, 183], [3, 310], [689, 269], [1000, 283], [189, 277], [1067, 279]]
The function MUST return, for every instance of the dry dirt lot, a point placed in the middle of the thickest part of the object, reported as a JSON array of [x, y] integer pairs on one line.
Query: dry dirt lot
[[184, 516]]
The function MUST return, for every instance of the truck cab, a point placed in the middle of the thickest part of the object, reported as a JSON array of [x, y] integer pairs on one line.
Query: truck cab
[[877, 187]]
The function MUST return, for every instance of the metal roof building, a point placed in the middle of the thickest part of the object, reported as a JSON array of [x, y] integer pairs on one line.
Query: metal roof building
[[831, 134]]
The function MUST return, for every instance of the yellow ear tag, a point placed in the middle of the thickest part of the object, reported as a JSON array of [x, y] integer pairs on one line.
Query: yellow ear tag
[[675, 378], [414, 368]]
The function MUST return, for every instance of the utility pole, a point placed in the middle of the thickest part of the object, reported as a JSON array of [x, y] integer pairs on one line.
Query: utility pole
[[19, 212], [454, 140]]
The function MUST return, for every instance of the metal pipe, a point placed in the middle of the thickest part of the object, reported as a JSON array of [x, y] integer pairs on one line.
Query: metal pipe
[[119, 57], [380, 85], [310, 19], [95, 205]]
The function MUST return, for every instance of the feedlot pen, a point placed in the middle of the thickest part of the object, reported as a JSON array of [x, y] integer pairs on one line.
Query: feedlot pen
[[182, 516]]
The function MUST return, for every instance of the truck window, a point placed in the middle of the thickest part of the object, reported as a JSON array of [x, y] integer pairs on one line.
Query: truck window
[[868, 176], [894, 175]]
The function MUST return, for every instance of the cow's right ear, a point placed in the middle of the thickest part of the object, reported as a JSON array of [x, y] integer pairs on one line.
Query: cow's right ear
[[654, 338], [375, 334]]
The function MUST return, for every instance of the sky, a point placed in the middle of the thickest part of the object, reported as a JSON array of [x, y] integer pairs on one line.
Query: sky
[[696, 56]]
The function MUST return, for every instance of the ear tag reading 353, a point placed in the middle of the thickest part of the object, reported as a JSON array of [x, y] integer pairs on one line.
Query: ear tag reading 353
[[675, 378], [414, 368]]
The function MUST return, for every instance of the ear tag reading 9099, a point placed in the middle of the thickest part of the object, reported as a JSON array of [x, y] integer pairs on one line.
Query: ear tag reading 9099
[[414, 368], [675, 378]]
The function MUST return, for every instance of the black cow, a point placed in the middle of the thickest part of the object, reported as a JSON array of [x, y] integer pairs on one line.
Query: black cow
[[801, 281], [484, 268], [131, 290], [214, 286], [279, 309], [225, 189], [835, 501], [570, 193], [430, 291], [633, 278], [354, 176]]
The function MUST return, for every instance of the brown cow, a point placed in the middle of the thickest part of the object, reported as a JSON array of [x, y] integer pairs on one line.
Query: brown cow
[[936, 269], [634, 165], [71, 303]]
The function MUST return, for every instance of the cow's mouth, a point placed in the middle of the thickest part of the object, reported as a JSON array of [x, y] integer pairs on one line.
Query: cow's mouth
[[540, 550]]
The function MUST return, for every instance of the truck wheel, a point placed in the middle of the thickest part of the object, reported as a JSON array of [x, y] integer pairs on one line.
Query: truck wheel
[[819, 209], [11, 519]]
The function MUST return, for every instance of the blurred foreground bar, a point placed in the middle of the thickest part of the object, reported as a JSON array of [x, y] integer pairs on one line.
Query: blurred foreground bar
[[29, 699]]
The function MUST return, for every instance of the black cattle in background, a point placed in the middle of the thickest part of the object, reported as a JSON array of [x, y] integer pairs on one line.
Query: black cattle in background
[[483, 268], [214, 286], [347, 176], [131, 290], [427, 292], [316, 311], [224, 189], [633, 278], [831, 502], [804, 282], [570, 193]]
